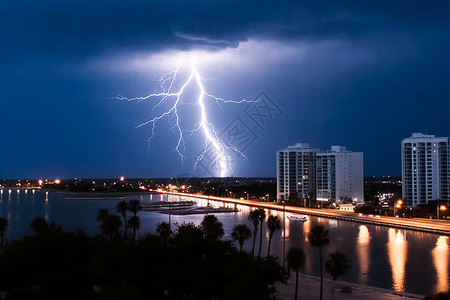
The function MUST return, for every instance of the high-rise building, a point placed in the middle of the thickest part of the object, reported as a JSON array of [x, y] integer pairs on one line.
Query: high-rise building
[[336, 175], [340, 176], [425, 169], [296, 167]]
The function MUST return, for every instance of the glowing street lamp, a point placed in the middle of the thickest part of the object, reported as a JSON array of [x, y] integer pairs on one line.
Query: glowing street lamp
[[398, 205], [442, 207]]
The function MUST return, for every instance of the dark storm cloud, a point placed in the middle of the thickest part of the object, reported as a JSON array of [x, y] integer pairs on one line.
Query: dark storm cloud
[[58, 28], [345, 72]]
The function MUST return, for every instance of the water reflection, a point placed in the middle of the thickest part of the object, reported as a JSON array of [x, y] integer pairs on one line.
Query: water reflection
[[363, 243], [397, 251], [440, 258], [306, 229]]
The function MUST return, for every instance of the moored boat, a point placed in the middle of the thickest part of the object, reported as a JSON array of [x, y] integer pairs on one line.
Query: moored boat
[[298, 218]]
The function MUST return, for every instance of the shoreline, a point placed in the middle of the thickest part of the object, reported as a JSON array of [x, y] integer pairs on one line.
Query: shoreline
[[100, 194], [338, 290], [433, 226]]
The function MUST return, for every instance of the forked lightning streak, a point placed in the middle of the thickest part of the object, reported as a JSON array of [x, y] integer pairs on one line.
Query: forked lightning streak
[[213, 142]]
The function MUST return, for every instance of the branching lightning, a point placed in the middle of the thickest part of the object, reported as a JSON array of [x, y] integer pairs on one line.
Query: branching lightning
[[213, 142]]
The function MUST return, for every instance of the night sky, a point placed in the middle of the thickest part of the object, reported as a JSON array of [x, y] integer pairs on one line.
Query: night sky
[[362, 74]]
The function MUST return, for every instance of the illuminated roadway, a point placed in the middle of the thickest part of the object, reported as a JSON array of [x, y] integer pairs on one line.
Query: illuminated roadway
[[420, 224]]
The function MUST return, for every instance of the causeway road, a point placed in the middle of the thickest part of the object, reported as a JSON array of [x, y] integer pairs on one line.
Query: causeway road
[[419, 224]]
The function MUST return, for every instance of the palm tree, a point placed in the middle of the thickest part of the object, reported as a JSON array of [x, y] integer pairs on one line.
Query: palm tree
[[254, 217], [274, 224], [102, 213], [164, 231], [241, 233], [4, 224], [261, 218], [212, 228], [110, 226], [134, 206], [122, 208], [337, 265], [318, 237], [295, 259], [134, 223]]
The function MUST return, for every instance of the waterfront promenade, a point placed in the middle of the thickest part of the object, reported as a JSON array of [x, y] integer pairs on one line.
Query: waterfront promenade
[[420, 224], [336, 290]]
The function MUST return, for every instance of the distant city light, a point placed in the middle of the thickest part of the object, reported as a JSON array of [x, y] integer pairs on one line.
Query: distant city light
[[122, 178]]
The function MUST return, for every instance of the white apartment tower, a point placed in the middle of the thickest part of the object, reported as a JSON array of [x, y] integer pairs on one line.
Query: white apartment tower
[[296, 172], [425, 169], [340, 176]]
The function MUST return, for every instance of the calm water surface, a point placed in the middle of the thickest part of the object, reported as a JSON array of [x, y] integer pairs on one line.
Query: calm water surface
[[402, 260]]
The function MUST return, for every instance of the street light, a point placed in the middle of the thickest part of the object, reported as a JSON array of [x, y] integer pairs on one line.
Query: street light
[[442, 207], [398, 205]]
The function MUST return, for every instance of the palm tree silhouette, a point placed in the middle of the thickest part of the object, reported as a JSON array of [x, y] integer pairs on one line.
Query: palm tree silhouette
[[134, 206], [4, 224], [337, 265], [212, 228], [318, 237], [274, 224], [295, 259], [261, 218], [254, 217], [122, 208], [134, 223], [164, 231], [102, 213], [241, 233], [110, 226]]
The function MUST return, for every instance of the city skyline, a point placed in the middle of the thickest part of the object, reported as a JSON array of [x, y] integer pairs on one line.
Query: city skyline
[[364, 76]]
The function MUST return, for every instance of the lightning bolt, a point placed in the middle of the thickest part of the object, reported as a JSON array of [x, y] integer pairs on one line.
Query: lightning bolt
[[212, 139]]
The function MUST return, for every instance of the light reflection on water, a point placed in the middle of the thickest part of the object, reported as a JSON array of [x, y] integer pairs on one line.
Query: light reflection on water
[[440, 258], [397, 251], [363, 250], [379, 256]]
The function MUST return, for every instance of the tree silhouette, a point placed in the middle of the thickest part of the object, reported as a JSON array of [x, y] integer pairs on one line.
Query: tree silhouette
[[110, 226], [318, 237], [164, 231], [134, 206], [261, 218], [102, 213], [4, 224], [39, 225], [122, 208], [212, 228], [134, 223], [188, 266], [254, 217], [241, 233], [337, 265], [274, 224], [295, 259]]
